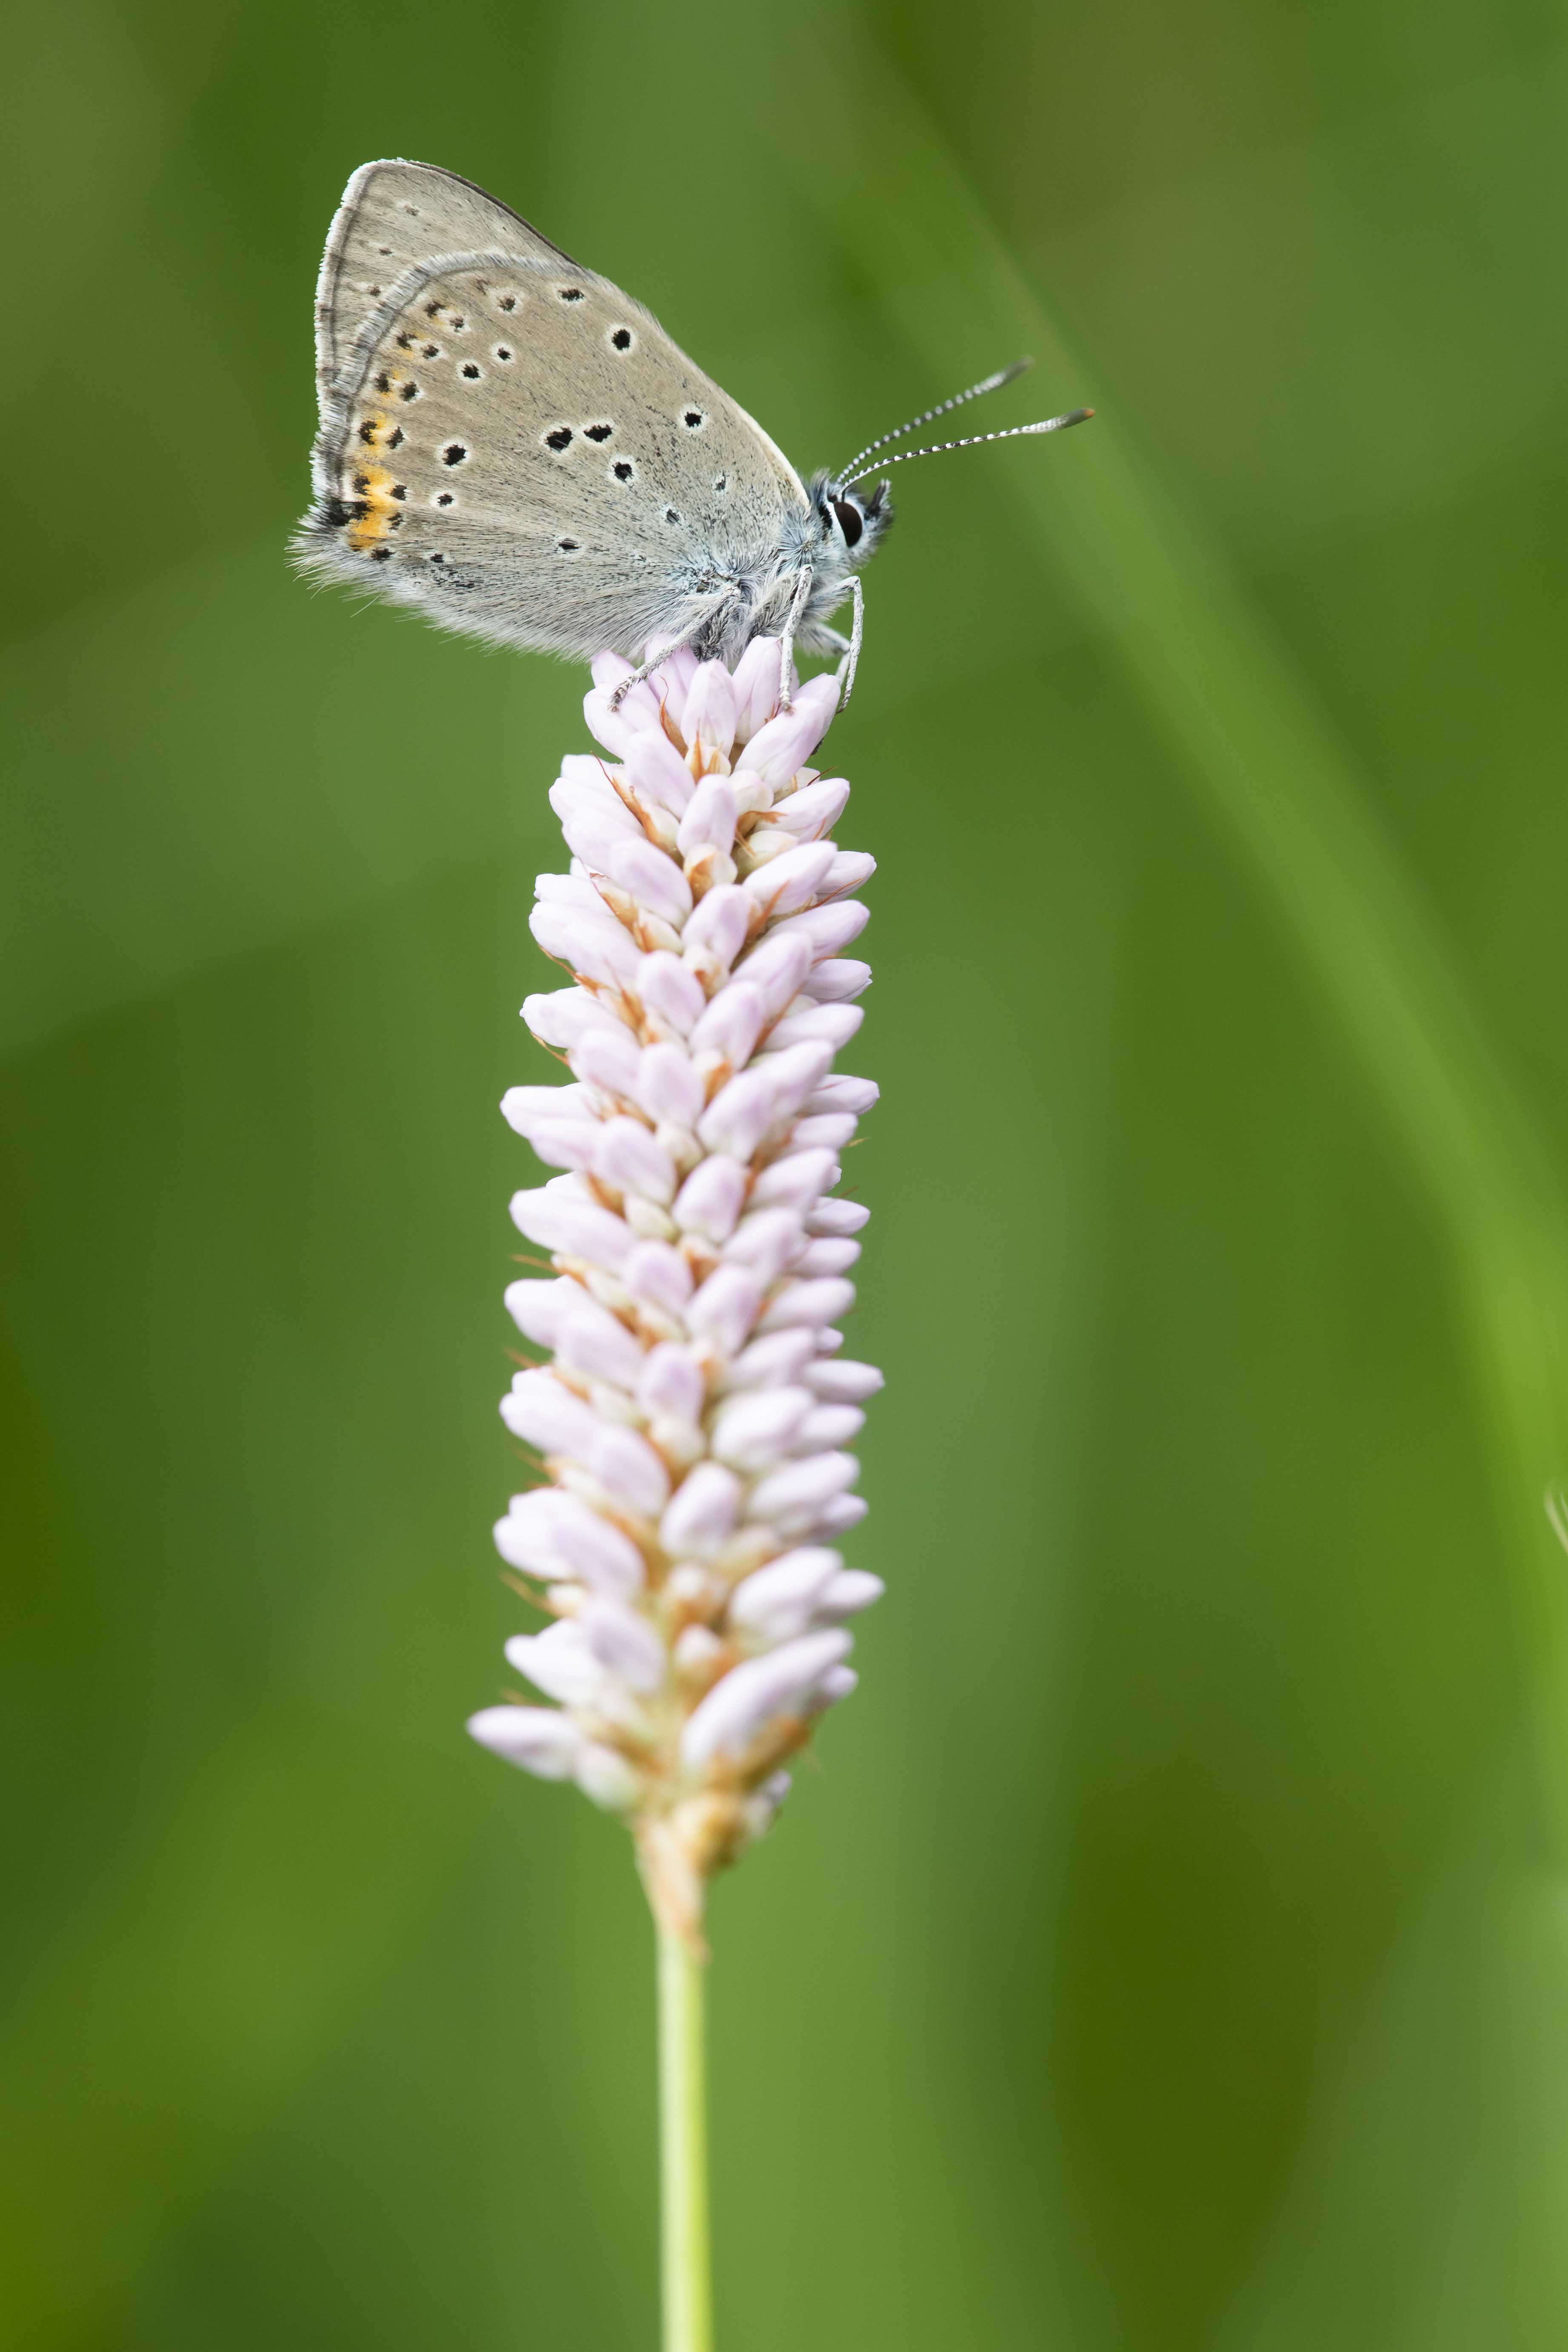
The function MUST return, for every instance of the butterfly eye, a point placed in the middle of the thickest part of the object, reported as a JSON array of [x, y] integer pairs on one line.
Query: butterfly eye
[[849, 521]]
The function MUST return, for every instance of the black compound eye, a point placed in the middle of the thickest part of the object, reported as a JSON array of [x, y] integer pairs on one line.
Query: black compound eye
[[849, 521]]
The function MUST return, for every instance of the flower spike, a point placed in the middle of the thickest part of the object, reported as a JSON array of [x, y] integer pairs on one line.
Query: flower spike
[[694, 1414]]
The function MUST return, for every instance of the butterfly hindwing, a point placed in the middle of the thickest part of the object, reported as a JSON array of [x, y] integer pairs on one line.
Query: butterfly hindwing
[[515, 445]]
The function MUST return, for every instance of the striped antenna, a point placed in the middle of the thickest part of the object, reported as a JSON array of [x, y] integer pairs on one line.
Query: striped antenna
[[972, 441], [986, 383]]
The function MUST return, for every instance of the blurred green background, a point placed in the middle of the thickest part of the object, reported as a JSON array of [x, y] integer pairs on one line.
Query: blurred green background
[[1170, 1951]]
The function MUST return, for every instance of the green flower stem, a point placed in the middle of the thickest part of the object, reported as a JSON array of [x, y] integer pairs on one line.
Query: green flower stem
[[683, 2148]]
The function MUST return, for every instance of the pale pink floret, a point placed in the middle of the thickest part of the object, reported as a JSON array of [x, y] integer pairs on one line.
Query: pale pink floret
[[694, 1418]]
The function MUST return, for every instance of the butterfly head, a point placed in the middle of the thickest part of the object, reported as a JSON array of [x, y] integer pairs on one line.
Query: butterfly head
[[850, 523]]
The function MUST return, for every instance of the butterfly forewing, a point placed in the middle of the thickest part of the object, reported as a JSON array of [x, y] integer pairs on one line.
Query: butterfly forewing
[[393, 216], [515, 445]]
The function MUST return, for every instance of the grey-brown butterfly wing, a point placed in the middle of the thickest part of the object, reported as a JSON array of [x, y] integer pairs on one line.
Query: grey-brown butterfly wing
[[517, 447], [395, 214]]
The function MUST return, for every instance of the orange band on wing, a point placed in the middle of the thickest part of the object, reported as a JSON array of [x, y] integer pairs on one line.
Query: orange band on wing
[[373, 486]]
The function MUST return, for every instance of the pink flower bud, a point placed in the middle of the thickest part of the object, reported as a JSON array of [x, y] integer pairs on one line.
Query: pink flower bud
[[695, 1416]]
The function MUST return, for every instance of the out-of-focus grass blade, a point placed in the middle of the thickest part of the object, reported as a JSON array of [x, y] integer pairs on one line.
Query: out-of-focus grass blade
[[1219, 687], [1422, 2205]]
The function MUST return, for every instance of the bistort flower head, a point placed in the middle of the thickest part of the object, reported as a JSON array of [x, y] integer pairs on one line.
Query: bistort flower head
[[695, 1412]]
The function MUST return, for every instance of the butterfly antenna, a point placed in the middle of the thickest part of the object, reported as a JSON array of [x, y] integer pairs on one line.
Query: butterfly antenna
[[986, 383], [972, 441]]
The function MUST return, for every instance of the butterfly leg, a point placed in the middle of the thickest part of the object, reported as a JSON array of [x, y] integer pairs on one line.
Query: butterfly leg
[[726, 595], [847, 666], [786, 643]]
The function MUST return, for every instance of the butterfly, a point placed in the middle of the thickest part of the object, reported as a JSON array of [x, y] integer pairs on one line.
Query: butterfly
[[517, 449]]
